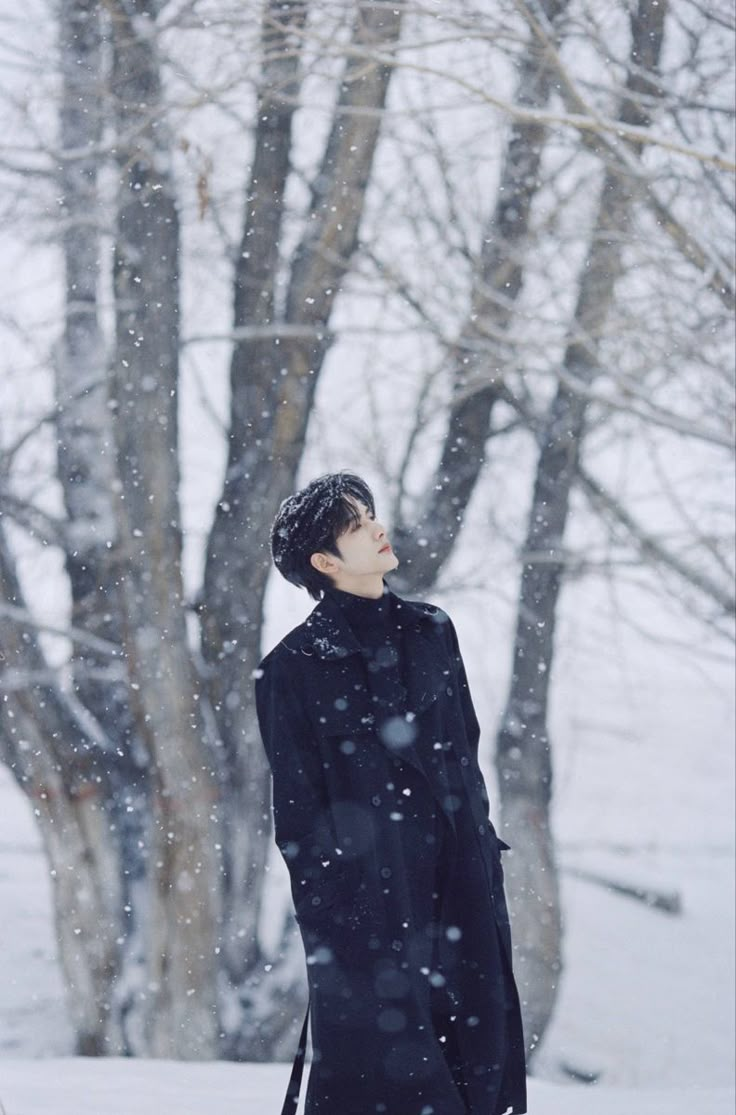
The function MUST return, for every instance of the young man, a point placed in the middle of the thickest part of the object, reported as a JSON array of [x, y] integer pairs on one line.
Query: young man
[[381, 814]]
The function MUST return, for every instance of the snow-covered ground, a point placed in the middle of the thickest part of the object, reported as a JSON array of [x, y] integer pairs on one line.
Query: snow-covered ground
[[118, 1087]]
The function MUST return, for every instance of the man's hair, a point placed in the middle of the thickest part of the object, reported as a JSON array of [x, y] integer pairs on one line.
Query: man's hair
[[311, 521]]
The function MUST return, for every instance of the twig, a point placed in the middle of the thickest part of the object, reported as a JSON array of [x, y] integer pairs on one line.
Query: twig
[[669, 902]]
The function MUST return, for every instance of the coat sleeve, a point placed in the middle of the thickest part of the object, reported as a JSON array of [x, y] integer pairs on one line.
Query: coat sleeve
[[302, 822], [472, 727]]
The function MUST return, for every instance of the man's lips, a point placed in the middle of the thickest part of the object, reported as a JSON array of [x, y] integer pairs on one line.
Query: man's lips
[[385, 548]]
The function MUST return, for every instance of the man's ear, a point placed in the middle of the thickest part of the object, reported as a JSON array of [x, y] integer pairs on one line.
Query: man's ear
[[323, 563]]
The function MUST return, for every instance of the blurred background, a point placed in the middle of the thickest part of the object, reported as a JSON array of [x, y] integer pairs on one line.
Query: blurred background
[[481, 254]]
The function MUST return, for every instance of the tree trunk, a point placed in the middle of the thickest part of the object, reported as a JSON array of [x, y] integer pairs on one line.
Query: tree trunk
[[273, 382], [523, 756], [184, 870], [426, 542], [86, 472], [231, 623], [51, 745]]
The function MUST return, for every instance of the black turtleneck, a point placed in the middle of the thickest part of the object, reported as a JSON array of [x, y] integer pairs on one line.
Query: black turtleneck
[[374, 625]]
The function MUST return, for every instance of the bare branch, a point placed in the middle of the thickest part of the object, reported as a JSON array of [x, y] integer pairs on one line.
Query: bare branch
[[650, 547], [588, 122], [82, 638]]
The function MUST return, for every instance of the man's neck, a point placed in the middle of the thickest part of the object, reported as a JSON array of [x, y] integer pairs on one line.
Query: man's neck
[[370, 588]]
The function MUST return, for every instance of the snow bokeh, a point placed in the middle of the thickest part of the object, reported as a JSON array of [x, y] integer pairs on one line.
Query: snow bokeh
[[642, 723]]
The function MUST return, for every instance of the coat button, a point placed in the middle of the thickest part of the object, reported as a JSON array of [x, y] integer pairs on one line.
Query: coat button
[[481, 829], [376, 799], [385, 872]]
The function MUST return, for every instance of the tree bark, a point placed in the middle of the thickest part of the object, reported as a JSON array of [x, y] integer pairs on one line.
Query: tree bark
[[86, 472], [523, 753], [184, 869], [52, 746]]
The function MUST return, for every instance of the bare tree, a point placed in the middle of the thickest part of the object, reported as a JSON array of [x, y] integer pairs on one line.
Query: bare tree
[[141, 754], [274, 372], [484, 362], [87, 474], [186, 750], [524, 757], [165, 699], [475, 358]]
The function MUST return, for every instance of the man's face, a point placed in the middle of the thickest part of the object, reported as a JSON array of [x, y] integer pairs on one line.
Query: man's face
[[365, 552], [365, 548]]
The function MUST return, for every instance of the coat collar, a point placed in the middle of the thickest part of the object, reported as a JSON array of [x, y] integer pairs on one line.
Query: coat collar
[[326, 633]]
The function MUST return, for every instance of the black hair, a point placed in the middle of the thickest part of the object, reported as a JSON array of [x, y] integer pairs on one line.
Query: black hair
[[311, 521]]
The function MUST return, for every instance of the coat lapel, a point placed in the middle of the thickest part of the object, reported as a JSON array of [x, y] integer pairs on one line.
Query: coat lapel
[[326, 635]]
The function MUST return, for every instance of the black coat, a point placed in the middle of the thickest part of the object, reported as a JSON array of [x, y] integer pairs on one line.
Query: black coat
[[395, 873]]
